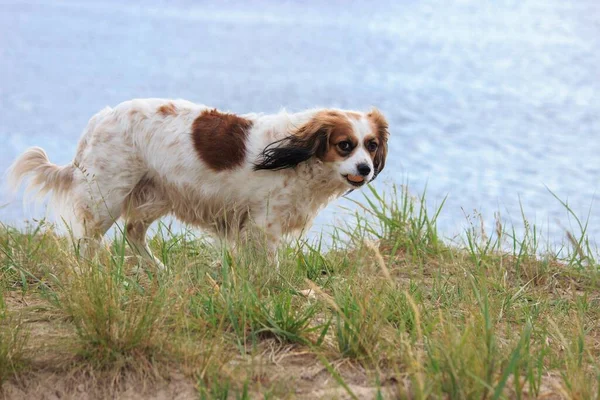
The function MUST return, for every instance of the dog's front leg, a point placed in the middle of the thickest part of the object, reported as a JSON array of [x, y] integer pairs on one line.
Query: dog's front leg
[[271, 236], [273, 253], [272, 240]]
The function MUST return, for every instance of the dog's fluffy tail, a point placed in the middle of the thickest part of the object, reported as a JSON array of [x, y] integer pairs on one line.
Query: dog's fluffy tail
[[44, 176]]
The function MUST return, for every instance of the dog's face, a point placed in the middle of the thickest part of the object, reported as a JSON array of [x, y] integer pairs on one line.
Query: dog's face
[[356, 147], [353, 145]]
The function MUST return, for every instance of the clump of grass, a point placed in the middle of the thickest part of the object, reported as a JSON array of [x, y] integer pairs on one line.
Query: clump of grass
[[13, 338], [31, 257], [287, 320], [117, 316], [222, 388], [402, 222], [251, 309], [358, 323]]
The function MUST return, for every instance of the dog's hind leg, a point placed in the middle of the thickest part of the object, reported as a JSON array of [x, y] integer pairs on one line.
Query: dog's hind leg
[[88, 220], [144, 205], [136, 231], [89, 237]]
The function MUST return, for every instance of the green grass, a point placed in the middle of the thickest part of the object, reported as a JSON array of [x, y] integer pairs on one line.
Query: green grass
[[395, 310], [12, 341]]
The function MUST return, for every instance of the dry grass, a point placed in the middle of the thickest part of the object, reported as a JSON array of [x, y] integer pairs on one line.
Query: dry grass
[[394, 312]]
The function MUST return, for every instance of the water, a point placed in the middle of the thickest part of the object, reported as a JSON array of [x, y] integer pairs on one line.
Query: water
[[489, 102]]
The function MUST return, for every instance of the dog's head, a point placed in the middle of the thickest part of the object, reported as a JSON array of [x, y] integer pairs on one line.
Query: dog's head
[[352, 144]]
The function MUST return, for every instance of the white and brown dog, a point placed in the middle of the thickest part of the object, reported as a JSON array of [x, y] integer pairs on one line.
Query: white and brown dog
[[223, 172]]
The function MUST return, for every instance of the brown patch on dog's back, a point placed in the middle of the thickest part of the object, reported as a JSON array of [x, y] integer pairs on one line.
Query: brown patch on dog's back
[[167, 109], [220, 139]]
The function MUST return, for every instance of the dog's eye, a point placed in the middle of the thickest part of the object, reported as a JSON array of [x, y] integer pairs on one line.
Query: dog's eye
[[372, 146], [345, 146]]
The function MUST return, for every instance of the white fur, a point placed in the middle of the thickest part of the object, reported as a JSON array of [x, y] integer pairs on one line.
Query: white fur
[[135, 163]]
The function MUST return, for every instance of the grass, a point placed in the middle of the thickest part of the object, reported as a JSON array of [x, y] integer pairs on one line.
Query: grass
[[12, 341], [394, 311]]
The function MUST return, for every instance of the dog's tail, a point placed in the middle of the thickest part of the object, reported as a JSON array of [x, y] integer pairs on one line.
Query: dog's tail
[[44, 176]]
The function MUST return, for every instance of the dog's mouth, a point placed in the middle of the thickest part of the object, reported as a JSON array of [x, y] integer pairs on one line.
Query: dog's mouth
[[355, 180]]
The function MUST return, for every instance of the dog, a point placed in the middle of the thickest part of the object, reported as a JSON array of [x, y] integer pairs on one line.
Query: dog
[[225, 173]]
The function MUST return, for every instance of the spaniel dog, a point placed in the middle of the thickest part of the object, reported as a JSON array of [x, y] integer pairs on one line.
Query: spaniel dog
[[220, 171]]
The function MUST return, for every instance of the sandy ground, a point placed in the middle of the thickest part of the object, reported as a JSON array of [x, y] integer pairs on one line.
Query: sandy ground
[[288, 371], [54, 374]]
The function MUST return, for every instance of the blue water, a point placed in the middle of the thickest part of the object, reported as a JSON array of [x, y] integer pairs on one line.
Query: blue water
[[489, 102]]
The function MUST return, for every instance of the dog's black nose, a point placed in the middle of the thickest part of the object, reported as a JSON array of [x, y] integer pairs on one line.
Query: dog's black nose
[[363, 169]]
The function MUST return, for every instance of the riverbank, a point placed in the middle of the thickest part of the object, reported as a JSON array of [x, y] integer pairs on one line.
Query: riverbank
[[389, 310]]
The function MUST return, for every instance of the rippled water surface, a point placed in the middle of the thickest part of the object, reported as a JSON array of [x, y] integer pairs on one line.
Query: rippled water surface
[[489, 102]]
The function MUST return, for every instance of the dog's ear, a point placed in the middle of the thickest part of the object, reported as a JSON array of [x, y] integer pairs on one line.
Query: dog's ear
[[380, 126], [309, 140]]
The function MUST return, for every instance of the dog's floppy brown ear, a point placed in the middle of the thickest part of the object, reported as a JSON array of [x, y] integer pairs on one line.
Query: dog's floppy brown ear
[[380, 126], [309, 140]]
